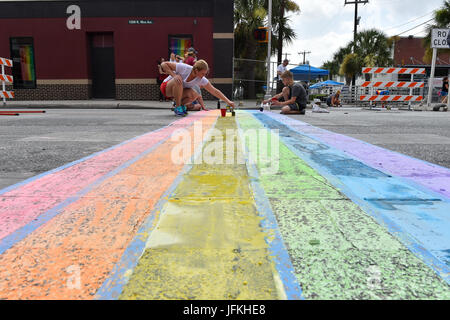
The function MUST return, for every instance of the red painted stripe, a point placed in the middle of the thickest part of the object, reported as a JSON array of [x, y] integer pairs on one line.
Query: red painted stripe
[[379, 70], [390, 84], [41, 195], [396, 98], [365, 84], [378, 83], [385, 98]]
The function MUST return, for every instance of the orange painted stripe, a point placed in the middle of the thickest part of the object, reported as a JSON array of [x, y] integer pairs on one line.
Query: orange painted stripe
[[365, 84], [414, 70], [389, 84], [379, 70], [384, 98], [401, 84], [373, 98], [378, 84], [90, 235]]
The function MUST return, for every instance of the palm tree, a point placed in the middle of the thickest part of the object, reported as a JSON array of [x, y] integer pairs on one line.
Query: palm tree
[[248, 16], [373, 48], [441, 21], [285, 34], [350, 67], [332, 66]]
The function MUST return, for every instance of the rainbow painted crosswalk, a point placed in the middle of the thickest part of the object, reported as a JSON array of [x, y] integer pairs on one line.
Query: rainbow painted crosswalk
[[261, 207]]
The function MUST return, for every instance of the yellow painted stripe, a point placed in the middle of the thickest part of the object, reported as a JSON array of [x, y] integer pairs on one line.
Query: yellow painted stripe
[[208, 243]]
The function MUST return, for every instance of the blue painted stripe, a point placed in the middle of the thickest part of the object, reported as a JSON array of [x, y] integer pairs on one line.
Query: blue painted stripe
[[421, 227], [340, 134], [277, 247], [112, 287], [405, 179], [20, 234]]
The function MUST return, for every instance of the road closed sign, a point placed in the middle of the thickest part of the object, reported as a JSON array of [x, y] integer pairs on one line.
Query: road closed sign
[[440, 38]]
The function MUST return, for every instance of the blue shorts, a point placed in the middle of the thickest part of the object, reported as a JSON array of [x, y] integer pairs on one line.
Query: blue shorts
[[444, 93]]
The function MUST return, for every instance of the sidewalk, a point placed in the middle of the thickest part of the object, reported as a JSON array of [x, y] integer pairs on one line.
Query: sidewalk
[[109, 104], [150, 104]]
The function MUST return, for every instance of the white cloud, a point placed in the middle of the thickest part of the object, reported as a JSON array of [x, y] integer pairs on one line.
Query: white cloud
[[324, 26]]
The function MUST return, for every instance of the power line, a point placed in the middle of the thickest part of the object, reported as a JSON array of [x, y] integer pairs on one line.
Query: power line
[[304, 53], [415, 27], [409, 21], [424, 30], [355, 30]]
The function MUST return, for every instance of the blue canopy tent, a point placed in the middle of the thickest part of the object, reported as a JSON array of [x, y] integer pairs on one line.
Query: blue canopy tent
[[326, 83], [307, 73]]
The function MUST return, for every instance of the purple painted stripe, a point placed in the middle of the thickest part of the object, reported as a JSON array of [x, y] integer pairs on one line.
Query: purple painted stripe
[[428, 175]]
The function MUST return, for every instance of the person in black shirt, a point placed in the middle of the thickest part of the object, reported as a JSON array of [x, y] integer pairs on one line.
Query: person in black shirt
[[444, 90], [293, 97]]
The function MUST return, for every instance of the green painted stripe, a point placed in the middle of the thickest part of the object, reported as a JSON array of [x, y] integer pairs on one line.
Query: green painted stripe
[[337, 250], [209, 243]]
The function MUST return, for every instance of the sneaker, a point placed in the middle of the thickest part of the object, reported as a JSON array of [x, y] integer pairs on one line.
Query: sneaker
[[184, 108], [179, 111]]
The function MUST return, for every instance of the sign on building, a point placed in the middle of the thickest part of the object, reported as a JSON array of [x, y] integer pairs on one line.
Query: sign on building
[[440, 38]]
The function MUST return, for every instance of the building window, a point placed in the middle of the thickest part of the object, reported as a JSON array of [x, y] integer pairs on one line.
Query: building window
[[179, 44], [24, 70]]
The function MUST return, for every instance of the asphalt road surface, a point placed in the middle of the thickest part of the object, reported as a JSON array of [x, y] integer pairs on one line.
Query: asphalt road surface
[[34, 143]]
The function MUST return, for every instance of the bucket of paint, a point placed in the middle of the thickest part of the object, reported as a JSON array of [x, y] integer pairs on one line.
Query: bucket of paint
[[223, 112]]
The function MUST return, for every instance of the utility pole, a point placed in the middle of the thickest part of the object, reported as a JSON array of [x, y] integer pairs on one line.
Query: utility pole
[[355, 30], [282, 8], [269, 51], [285, 55], [304, 53]]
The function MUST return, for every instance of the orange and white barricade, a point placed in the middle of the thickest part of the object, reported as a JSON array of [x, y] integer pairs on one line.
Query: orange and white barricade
[[393, 84], [4, 78], [378, 70], [390, 98]]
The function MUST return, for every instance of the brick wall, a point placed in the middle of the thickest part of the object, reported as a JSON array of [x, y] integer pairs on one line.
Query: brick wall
[[84, 92], [53, 92]]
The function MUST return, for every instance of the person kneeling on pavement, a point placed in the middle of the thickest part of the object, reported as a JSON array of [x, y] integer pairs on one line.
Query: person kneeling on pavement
[[292, 98]]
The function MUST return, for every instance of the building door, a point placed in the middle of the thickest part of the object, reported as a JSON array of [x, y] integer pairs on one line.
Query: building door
[[102, 65]]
